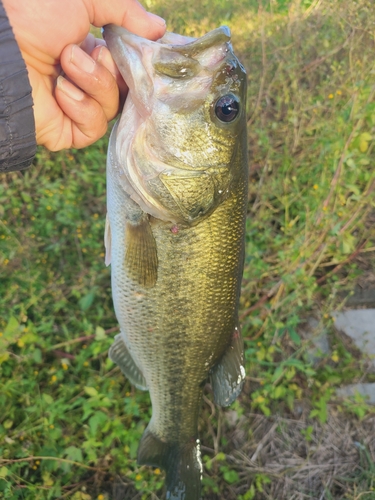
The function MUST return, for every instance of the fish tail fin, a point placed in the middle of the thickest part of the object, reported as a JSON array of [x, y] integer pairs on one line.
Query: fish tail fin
[[182, 463]]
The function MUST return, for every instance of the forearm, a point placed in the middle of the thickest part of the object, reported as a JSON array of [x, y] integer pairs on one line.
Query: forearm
[[17, 127]]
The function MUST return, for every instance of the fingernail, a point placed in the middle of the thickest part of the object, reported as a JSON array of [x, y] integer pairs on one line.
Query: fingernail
[[103, 55], [157, 19], [69, 89], [82, 60]]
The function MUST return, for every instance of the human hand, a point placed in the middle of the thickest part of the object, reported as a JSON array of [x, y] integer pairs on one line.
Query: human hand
[[54, 37]]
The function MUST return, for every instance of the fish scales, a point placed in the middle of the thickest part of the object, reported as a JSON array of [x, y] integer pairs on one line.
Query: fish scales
[[176, 278]]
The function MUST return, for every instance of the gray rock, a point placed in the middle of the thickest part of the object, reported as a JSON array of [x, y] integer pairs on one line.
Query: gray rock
[[319, 340], [366, 390], [360, 297], [359, 325]]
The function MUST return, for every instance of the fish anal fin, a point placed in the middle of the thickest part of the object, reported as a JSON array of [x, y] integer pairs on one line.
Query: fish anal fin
[[182, 463], [107, 242], [141, 258], [228, 375], [120, 355]]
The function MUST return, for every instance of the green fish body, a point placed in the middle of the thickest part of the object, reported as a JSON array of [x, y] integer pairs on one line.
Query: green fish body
[[177, 198]]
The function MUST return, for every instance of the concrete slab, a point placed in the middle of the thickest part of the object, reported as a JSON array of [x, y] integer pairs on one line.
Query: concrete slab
[[361, 297], [319, 349], [359, 325], [366, 390]]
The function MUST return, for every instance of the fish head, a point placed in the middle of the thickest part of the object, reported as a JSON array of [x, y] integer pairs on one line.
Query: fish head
[[183, 121]]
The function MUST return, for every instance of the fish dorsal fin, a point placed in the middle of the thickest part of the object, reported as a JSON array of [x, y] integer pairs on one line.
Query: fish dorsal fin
[[107, 241], [120, 355], [141, 257], [228, 375], [194, 194]]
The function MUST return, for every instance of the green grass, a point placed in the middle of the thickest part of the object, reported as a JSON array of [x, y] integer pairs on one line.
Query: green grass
[[70, 422]]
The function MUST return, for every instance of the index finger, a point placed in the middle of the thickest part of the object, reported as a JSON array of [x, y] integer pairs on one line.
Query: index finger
[[127, 13]]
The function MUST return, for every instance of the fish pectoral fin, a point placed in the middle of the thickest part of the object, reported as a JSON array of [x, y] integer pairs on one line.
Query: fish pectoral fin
[[120, 355], [182, 463], [228, 375], [141, 256], [107, 241]]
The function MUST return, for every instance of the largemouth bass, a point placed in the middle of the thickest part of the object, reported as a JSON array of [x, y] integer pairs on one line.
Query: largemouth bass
[[177, 196]]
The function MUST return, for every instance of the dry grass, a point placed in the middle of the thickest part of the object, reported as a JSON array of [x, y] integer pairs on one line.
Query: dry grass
[[305, 459]]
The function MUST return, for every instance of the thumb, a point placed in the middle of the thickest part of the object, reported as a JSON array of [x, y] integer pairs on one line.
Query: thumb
[[127, 13]]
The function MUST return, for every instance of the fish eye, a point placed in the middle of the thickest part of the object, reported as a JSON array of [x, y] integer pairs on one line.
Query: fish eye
[[227, 108]]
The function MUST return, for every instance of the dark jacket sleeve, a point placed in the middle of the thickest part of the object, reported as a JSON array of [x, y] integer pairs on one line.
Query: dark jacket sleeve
[[17, 126]]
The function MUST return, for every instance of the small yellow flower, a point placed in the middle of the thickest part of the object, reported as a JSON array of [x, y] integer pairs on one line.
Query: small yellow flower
[[6, 262], [315, 186], [100, 497], [138, 477], [259, 400], [338, 92], [95, 216], [37, 462], [53, 378], [259, 344], [35, 467], [325, 209], [51, 426], [86, 363], [64, 366], [157, 471], [2, 236], [127, 394], [101, 254], [1, 334], [335, 357], [20, 343], [22, 438], [36, 372], [330, 96], [48, 207], [84, 346]]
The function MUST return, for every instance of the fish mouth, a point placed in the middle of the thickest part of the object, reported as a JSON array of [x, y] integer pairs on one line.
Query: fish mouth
[[173, 55]]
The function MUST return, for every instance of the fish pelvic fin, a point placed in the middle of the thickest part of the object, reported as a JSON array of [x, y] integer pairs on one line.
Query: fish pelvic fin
[[141, 257], [228, 375], [120, 355], [182, 463]]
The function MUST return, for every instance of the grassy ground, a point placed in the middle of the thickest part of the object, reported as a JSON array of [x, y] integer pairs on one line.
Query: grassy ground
[[70, 423]]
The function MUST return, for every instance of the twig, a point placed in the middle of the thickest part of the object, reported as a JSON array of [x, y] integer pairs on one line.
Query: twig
[[339, 266], [262, 300], [67, 461], [82, 339], [263, 441], [63, 354]]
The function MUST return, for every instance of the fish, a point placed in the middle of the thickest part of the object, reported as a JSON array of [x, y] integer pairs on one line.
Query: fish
[[177, 184]]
